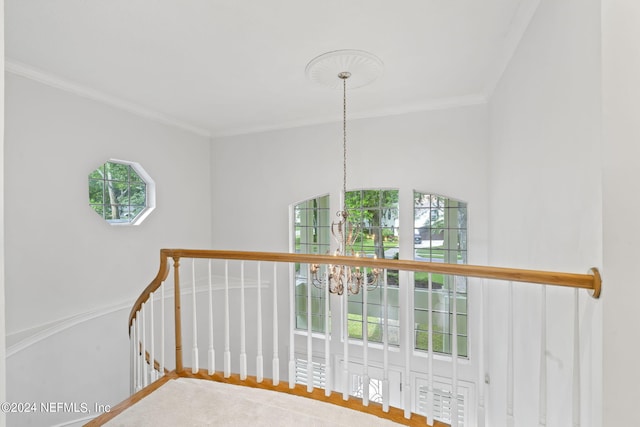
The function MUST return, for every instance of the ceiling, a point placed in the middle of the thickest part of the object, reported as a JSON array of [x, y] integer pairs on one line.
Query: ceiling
[[220, 67]]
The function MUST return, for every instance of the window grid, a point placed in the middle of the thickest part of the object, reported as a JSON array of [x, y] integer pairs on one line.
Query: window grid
[[312, 231], [375, 315], [117, 193], [440, 235], [373, 215]]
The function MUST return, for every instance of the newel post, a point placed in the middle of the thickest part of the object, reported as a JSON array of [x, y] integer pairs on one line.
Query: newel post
[[178, 323]]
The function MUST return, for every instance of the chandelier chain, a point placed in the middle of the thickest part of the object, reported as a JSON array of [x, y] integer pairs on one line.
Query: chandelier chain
[[344, 144]]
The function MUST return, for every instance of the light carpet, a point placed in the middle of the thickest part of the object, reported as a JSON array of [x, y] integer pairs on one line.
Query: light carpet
[[192, 402]]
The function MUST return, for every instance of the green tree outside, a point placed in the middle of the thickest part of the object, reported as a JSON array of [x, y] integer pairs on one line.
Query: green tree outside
[[116, 192]]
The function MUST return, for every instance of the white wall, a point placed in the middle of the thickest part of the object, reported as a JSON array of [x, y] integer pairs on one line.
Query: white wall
[[621, 182], [3, 371], [439, 151], [62, 259], [546, 206], [86, 363]]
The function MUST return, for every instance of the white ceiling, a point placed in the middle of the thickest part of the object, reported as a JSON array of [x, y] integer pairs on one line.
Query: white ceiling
[[223, 67]]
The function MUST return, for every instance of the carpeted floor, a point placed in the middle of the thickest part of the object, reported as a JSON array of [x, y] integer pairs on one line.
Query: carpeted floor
[[192, 402]]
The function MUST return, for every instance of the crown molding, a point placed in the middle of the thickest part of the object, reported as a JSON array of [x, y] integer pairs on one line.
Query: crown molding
[[44, 77], [49, 79], [433, 105]]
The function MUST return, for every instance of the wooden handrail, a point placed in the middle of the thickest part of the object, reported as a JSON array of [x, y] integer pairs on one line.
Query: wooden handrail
[[591, 281], [163, 272]]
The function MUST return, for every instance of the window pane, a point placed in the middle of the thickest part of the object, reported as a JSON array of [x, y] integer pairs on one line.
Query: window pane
[[138, 194], [311, 234], [134, 211], [374, 214], [394, 335], [422, 320], [462, 324], [117, 171], [134, 178], [355, 309], [354, 326], [440, 235], [98, 173], [374, 311], [96, 191]]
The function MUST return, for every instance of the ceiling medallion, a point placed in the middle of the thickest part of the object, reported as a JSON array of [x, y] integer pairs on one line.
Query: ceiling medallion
[[364, 67]]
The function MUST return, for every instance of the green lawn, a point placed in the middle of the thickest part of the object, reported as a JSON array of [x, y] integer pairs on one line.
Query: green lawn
[[441, 339], [355, 328]]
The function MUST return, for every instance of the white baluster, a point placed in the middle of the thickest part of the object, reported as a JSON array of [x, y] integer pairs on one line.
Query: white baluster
[[276, 359], [345, 334], [292, 326], [259, 357], [162, 365], [143, 351], [152, 338], [194, 353], [309, 333], [542, 409], [365, 342], [328, 375], [385, 346], [134, 356], [211, 352], [510, 367], [408, 350], [481, 358], [139, 358], [227, 348], [454, 355], [243, 332], [430, 410], [576, 360]]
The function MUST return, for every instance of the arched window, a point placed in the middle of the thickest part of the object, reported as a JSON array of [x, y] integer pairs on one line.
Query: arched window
[[439, 234]]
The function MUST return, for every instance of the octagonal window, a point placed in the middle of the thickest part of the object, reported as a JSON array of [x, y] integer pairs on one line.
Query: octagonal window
[[121, 192]]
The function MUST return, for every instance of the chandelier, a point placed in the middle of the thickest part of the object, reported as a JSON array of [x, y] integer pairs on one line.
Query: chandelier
[[333, 69]]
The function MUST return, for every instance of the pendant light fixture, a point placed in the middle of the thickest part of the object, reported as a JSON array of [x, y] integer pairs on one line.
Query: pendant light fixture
[[334, 69]]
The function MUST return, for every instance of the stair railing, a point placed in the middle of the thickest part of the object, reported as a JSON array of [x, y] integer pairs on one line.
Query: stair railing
[[147, 327]]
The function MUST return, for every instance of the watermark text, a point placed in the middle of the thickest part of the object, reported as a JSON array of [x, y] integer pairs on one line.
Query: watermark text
[[53, 407]]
